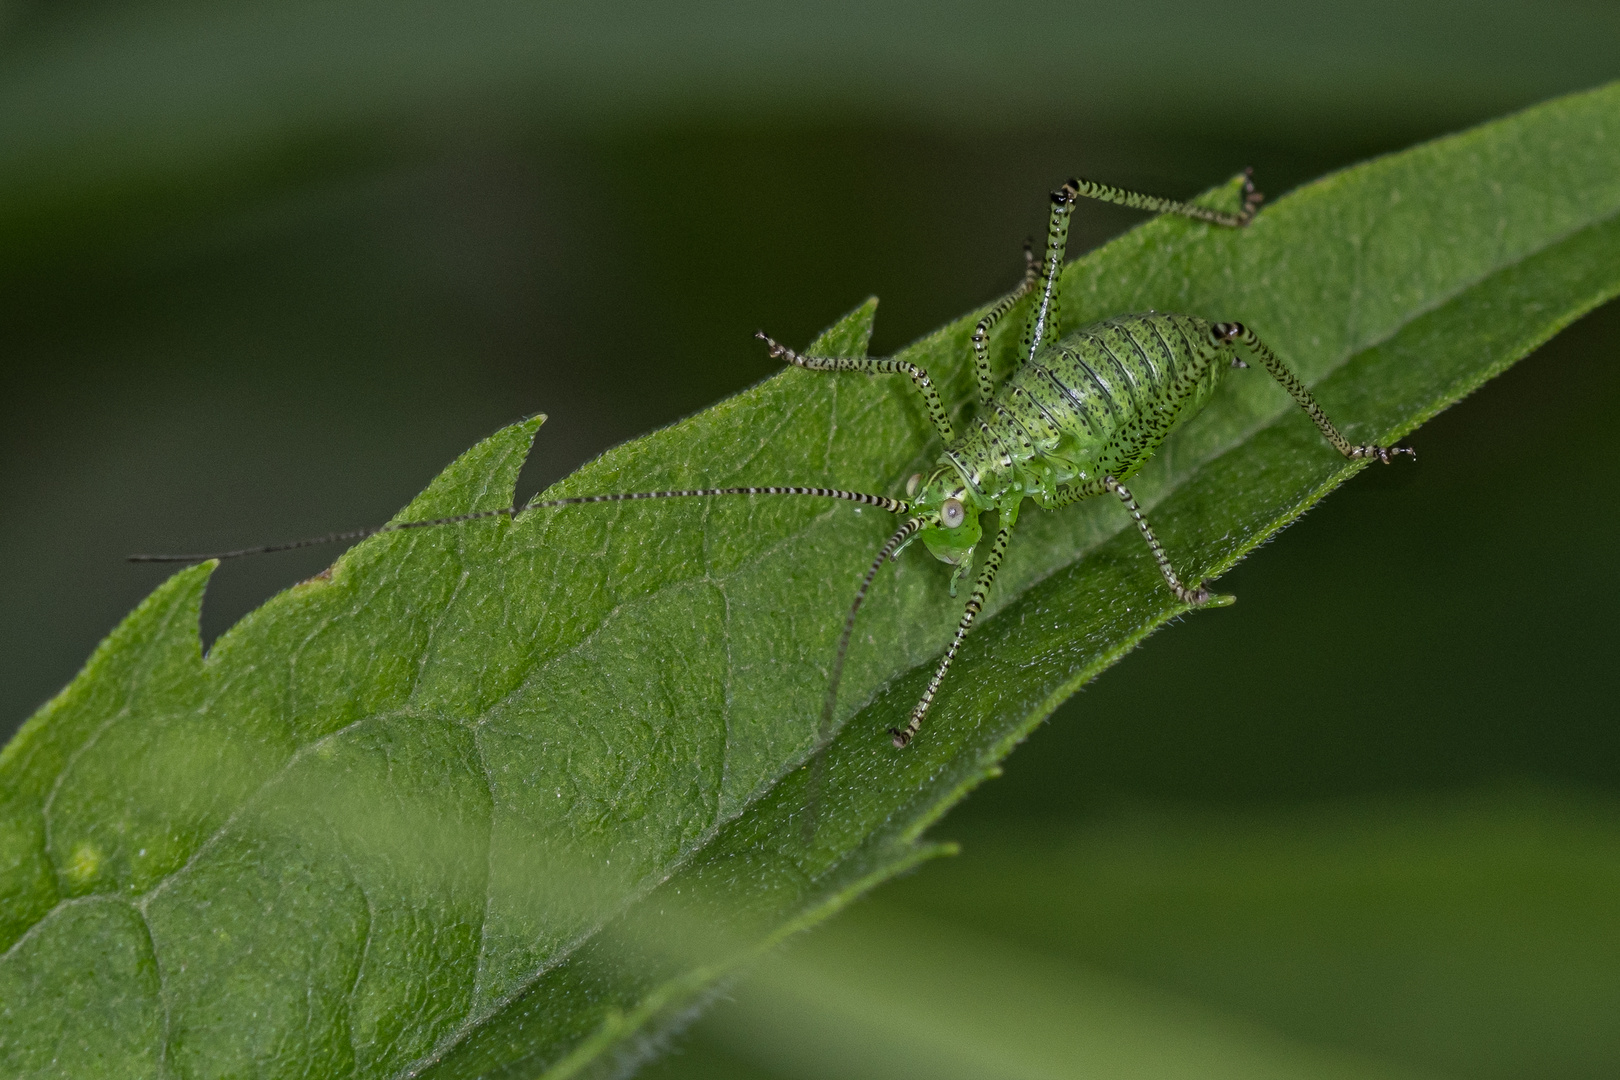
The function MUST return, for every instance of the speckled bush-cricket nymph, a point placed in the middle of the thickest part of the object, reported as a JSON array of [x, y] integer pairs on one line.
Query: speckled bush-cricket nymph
[[1079, 416]]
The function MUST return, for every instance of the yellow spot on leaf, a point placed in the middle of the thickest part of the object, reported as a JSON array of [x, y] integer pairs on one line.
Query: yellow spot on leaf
[[84, 864]]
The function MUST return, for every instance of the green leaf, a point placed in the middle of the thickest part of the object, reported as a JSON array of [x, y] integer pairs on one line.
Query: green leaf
[[508, 798]]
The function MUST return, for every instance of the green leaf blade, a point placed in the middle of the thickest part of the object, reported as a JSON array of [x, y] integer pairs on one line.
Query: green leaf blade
[[503, 799]]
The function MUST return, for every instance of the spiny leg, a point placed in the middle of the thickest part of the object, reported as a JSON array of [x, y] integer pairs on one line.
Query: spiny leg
[[1046, 313], [872, 365], [981, 589], [1046, 316], [1136, 200], [1086, 490], [981, 332], [1199, 595], [1237, 332]]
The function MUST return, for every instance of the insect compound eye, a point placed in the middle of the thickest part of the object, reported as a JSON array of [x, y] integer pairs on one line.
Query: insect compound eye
[[952, 514], [911, 485]]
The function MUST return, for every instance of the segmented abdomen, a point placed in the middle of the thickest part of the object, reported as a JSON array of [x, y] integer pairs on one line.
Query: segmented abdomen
[[1097, 402]]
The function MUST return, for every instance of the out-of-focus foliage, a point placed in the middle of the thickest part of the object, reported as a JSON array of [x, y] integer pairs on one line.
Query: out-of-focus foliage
[[1368, 940]]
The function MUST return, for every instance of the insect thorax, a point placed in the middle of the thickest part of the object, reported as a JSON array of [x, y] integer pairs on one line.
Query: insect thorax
[[1097, 402]]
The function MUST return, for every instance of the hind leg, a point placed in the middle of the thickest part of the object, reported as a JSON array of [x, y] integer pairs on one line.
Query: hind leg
[[1228, 333]]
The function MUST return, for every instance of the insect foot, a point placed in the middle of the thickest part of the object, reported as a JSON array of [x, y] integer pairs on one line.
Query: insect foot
[[1196, 597], [776, 351], [1383, 453], [1201, 597]]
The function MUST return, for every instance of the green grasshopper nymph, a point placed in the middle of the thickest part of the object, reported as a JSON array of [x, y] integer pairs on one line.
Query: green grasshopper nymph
[[1079, 416]]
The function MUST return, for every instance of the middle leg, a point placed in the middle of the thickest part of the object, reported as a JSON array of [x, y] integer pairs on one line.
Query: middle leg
[[1200, 595], [1196, 596]]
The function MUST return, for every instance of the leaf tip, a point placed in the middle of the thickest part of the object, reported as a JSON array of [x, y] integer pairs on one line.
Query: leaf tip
[[850, 335]]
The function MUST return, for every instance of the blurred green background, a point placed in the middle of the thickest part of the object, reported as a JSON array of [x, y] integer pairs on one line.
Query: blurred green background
[[265, 268]]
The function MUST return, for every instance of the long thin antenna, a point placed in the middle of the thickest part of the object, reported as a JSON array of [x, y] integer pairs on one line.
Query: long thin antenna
[[885, 553], [893, 506], [818, 764]]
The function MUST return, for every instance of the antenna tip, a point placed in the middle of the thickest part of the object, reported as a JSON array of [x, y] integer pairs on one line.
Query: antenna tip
[[189, 559]]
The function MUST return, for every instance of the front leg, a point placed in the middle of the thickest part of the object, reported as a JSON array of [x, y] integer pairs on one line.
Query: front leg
[[975, 604], [873, 366]]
